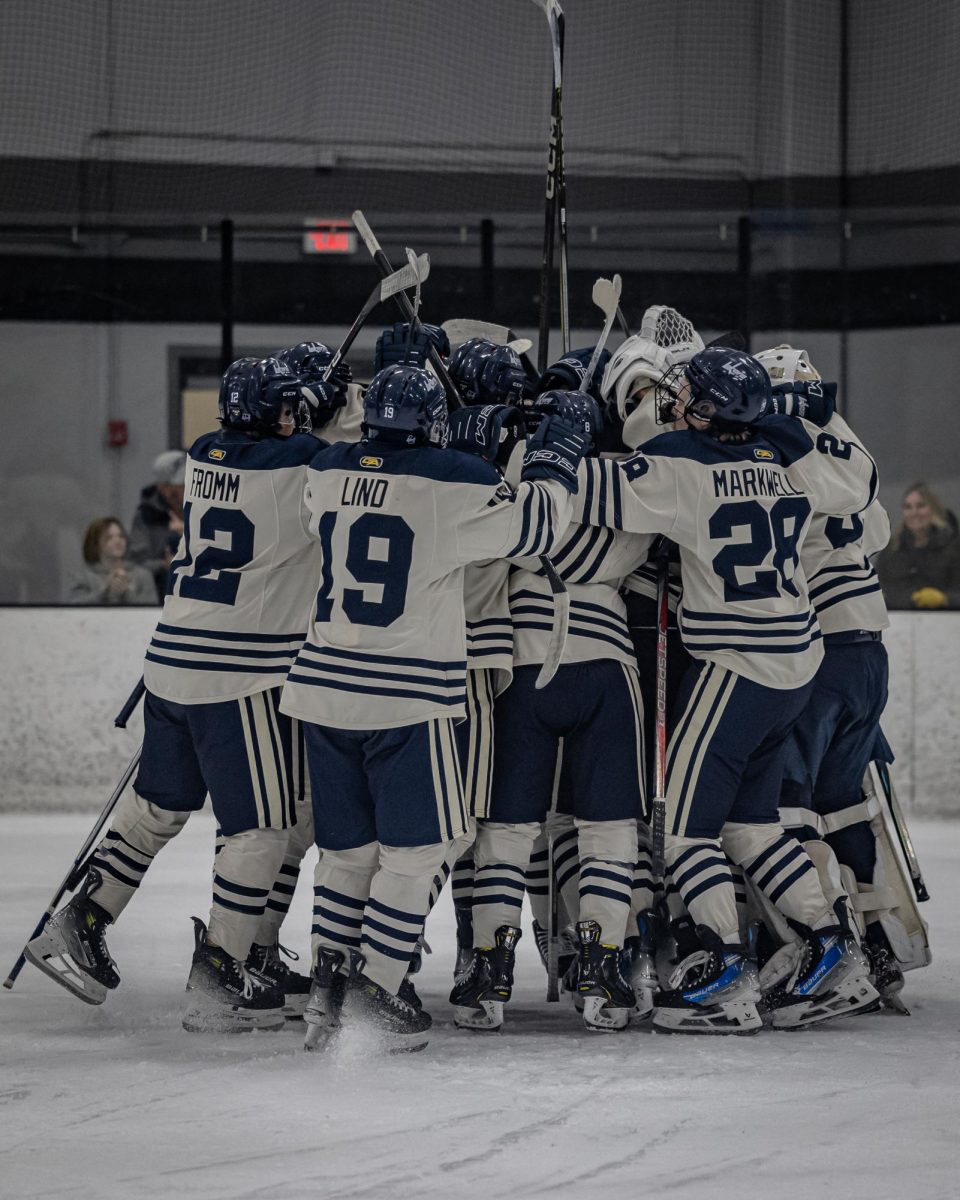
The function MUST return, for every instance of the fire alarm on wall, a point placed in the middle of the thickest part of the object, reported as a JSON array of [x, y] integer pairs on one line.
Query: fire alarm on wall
[[117, 434]]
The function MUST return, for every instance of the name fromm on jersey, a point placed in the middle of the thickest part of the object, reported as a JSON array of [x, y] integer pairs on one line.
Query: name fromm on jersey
[[209, 483], [752, 481]]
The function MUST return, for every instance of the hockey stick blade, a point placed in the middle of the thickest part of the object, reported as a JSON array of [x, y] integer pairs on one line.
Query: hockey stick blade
[[732, 340], [462, 329], [561, 623], [606, 296], [412, 275]]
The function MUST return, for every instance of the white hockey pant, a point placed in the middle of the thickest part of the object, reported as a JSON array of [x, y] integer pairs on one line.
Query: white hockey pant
[[458, 851], [374, 899], [299, 841], [608, 855], [780, 868], [138, 833], [566, 867], [244, 874], [502, 856]]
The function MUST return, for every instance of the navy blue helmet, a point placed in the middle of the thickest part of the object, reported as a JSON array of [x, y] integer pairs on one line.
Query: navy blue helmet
[[727, 387], [308, 361], [407, 406], [253, 392], [486, 373], [568, 373], [576, 408]]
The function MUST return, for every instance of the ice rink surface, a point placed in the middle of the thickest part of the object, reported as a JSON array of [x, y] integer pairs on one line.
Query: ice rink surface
[[117, 1101]]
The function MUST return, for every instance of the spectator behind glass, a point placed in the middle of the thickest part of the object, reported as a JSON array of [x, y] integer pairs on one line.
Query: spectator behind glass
[[158, 521], [921, 566], [107, 577]]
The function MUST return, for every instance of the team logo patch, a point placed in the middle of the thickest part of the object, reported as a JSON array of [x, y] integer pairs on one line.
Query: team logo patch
[[370, 461], [764, 454], [217, 454]]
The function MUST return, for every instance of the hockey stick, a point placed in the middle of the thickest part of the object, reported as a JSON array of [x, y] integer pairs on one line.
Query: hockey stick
[[553, 926], [402, 302], [903, 833], [462, 329], [393, 284], [561, 598], [606, 296], [78, 869], [658, 805], [554, 15]]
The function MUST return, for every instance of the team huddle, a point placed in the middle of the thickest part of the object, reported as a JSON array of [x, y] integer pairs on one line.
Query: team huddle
[[425, 632]]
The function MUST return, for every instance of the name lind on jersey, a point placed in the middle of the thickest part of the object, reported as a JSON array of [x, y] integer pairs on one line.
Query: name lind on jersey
[[360, 491], [752, 481], [211, 483]]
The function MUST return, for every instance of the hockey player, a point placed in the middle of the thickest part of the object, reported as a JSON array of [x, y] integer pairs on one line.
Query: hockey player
[[736, 494], [593, 705], [490, 431], [831, 746], [382, 677], [232, 622], [666, 339]]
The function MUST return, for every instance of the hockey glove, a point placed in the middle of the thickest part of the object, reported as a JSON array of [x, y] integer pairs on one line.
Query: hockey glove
[[554, 452], [811, 399], [323, 397], [392, 345], [490, 430], [930, 597]]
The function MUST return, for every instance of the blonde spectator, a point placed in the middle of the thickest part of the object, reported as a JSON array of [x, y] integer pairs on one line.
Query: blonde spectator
[[921, 566], [107, 577]]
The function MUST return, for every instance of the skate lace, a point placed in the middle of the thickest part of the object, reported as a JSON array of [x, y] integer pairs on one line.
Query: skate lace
[[251, 983], [699, 961]]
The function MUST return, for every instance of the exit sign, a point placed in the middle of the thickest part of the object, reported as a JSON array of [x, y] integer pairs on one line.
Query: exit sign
[[329, 237]]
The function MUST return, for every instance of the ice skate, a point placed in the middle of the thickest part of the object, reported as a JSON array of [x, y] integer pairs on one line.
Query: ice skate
[[223, 996], [327, 987], [829, 979], [638, 964], [399, 1026], [608, 999], [479, 996], [72, 949], [886, 974], [713, 991], [266, 962]]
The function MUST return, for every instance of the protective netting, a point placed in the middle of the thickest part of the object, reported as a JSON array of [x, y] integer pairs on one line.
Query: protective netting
[[304, 107]]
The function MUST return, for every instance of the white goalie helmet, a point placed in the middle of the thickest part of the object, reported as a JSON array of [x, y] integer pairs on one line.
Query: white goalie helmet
[[666, 338], [787, 364]]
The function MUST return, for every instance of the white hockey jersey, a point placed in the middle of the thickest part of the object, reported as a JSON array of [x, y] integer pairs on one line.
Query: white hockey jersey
[[837, 558], [387, 645], [739, 513], [486, 601], [593, 563], [344, 425], [244, 578]]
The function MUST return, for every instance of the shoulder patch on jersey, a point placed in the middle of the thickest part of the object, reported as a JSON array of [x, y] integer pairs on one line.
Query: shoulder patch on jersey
[[371, 462], [762, 453], [217, 454]]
